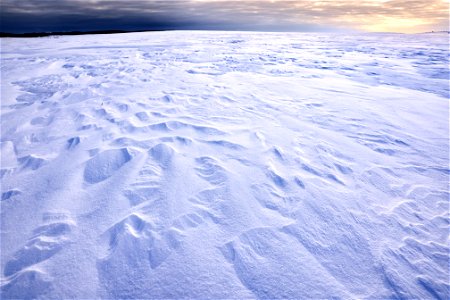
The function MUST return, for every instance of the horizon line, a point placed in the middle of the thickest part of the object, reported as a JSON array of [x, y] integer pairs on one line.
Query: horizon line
[[31, 34]]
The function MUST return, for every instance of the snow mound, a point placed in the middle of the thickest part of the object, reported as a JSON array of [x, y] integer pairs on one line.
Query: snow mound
[[103, 165], [162, 154]]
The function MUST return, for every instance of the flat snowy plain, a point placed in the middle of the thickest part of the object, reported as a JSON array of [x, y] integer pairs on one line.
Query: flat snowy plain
[[225, 165]]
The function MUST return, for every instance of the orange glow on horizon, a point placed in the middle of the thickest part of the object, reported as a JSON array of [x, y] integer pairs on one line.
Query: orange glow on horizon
[[404, 16]]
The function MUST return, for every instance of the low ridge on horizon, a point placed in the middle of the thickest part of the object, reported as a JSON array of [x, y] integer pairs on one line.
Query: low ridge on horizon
[[74, 33]]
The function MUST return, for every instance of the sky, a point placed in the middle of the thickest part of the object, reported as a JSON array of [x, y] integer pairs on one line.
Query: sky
[[405, 16]]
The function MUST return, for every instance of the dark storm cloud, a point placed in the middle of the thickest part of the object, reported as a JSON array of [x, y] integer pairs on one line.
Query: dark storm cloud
[[62, 15]]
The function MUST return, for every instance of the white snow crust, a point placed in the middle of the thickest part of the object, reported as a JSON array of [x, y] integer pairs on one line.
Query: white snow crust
[[214, 165]]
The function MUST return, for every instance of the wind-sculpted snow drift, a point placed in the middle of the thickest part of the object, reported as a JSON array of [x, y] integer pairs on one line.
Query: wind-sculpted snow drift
[[218, 165]]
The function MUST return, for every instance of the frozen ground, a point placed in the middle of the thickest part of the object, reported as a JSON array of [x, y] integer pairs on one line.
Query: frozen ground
[[225, 165]]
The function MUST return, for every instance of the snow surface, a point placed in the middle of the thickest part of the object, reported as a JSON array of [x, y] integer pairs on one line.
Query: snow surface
[[225, 165]]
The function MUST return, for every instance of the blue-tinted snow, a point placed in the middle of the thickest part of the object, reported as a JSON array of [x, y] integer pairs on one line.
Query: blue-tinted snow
[[225, 165]]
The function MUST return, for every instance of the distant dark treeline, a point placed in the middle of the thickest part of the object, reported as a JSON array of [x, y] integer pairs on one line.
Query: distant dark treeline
[[42, 34]]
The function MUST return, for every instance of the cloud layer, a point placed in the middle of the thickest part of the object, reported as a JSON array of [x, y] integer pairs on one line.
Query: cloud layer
[[306, 15]]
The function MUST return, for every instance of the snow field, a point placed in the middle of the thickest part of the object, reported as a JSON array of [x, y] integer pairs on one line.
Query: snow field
[[225, 165]]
